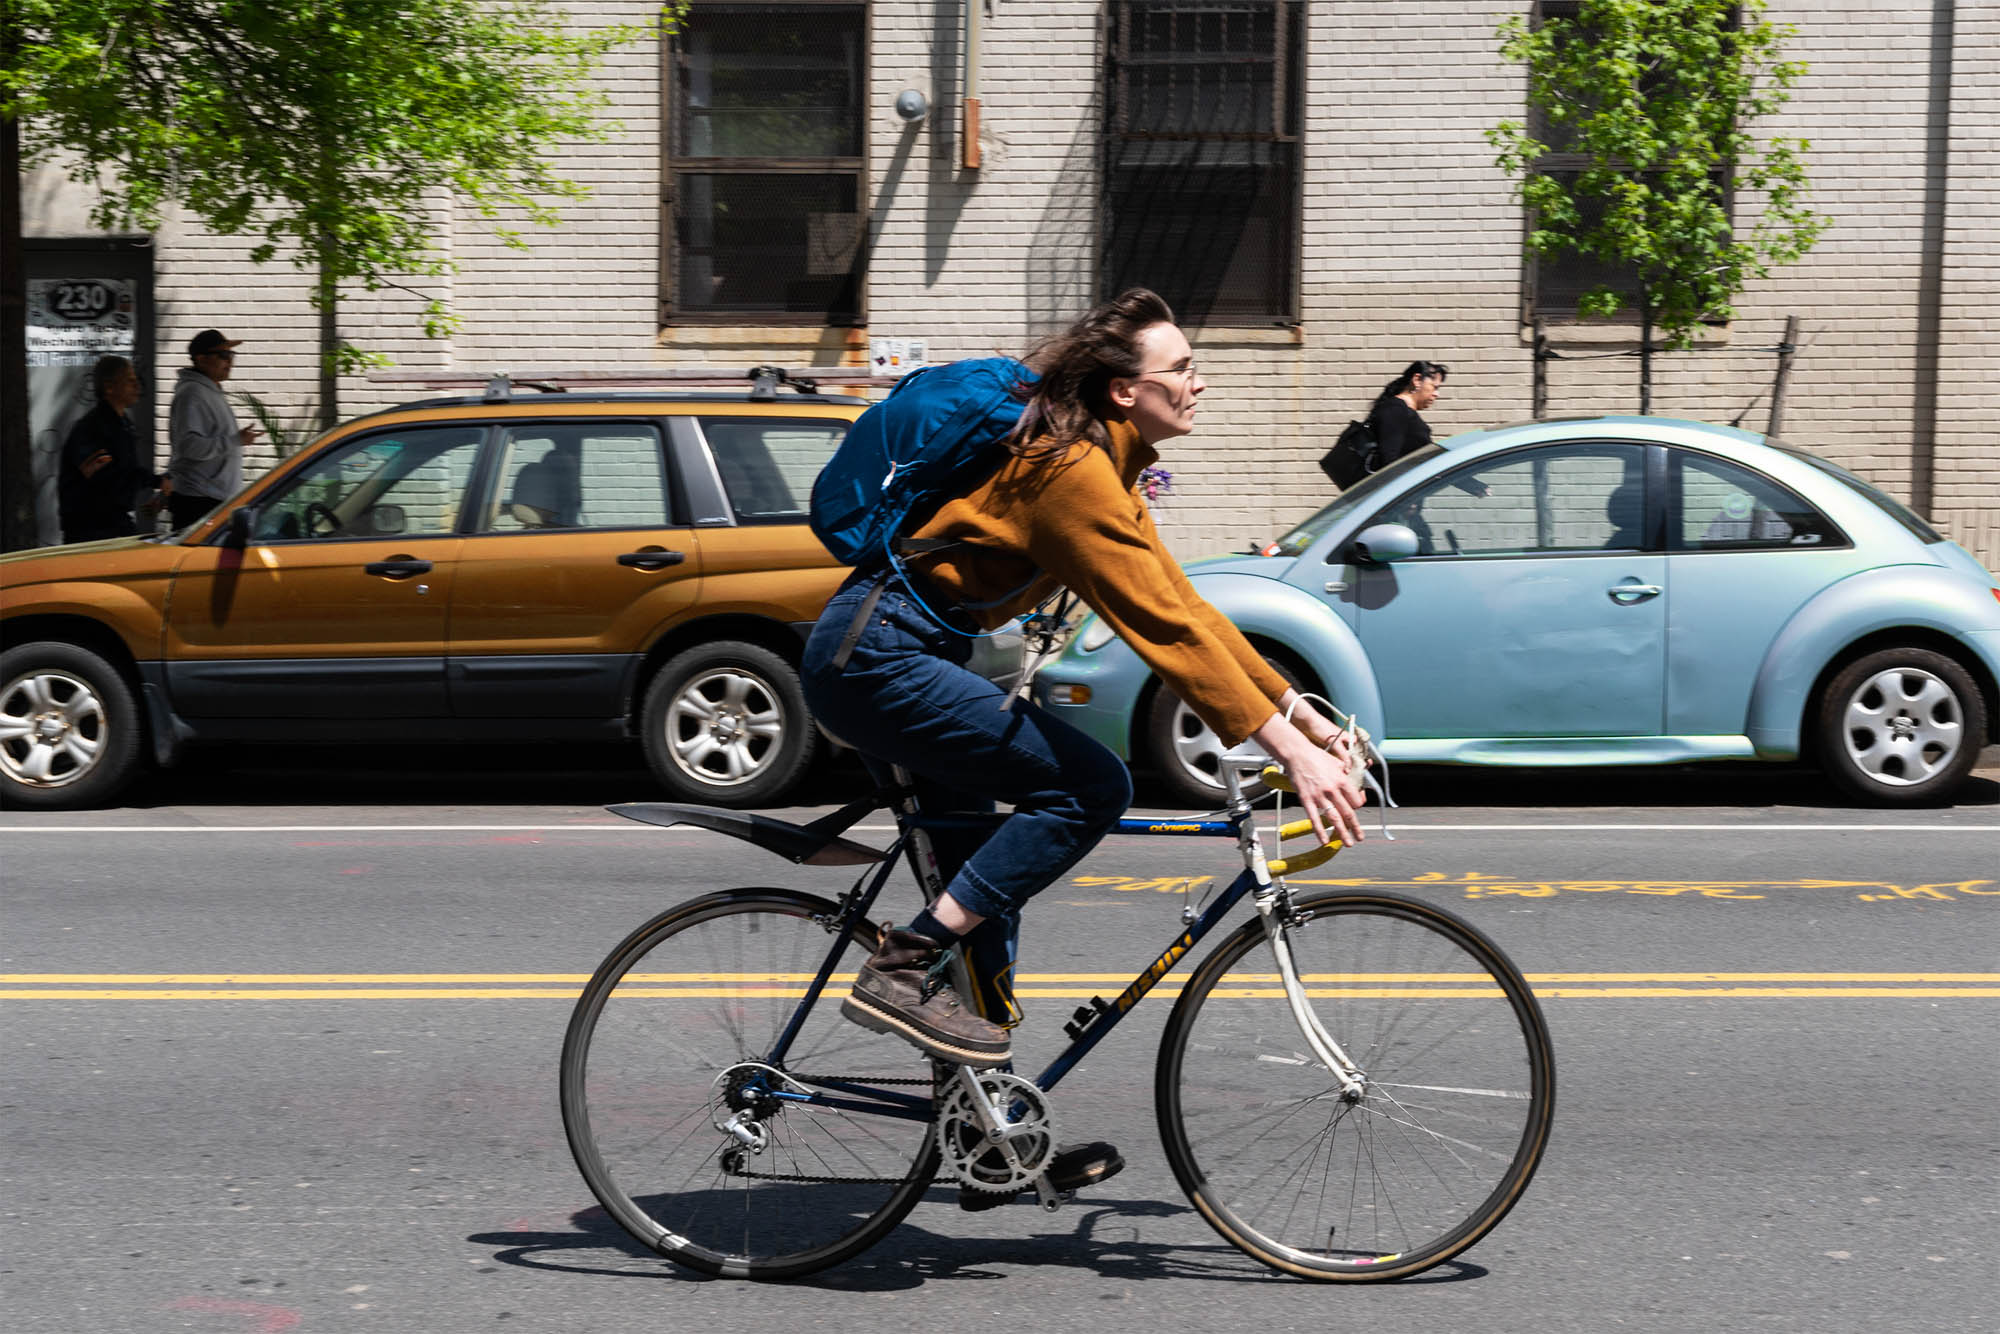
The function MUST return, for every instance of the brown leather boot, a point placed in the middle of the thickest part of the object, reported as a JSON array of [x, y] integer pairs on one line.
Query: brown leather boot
[[896, 992]]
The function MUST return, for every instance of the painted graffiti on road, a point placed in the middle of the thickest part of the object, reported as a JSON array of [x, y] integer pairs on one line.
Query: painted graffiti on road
[[1483, 885]]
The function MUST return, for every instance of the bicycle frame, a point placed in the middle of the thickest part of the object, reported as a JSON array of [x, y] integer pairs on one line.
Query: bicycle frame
[[1093, 1022]]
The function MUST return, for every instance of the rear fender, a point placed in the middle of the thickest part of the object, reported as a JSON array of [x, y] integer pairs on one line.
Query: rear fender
[[1931, 602]]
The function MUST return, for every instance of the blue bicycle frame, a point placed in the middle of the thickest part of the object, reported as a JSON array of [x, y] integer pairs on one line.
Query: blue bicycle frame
[[1091, 1022]]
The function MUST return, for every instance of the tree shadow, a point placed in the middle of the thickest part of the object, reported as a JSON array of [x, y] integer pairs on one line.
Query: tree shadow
[[1105, 1240]]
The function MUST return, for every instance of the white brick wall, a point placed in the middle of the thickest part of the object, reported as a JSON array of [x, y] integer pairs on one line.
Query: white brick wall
[[1410, 247]]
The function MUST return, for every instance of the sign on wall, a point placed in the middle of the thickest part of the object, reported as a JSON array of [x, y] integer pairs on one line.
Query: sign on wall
[[71, 323]]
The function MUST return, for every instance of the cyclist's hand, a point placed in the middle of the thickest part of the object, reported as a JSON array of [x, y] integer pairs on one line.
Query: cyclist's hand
[[1336, 742], [1326, 787]]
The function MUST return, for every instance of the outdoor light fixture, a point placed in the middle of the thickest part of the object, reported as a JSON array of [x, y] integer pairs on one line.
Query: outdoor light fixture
[[912, 106]]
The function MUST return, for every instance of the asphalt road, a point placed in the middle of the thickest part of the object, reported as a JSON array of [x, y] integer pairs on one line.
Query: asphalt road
[[281, 1055]]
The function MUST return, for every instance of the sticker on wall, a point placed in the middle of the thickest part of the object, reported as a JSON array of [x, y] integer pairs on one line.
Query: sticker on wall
[[897, 356]]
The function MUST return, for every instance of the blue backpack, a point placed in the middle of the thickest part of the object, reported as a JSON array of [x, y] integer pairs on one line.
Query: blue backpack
[[940, 432]]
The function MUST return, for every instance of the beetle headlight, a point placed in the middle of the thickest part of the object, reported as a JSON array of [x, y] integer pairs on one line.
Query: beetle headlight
[[1095, 634]]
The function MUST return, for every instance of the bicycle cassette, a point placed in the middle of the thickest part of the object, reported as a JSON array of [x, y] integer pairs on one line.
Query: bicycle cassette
[[978, 1162]]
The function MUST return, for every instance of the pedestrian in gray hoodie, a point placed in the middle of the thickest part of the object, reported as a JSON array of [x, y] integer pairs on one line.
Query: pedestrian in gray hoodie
[[206, 458]]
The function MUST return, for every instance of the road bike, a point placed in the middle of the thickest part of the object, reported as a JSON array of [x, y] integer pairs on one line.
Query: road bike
[[1353, 1086]]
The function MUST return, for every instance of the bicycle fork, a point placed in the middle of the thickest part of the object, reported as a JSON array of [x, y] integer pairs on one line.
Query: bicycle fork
[[1273, 908]]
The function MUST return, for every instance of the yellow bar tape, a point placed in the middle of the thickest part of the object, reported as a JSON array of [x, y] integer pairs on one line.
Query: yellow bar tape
[[1274, 777]]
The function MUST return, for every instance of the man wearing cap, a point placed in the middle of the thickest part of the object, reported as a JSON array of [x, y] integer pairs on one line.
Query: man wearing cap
[[206, 459]]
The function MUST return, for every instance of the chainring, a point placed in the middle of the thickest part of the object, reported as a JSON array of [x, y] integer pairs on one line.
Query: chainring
[[980, 1164]]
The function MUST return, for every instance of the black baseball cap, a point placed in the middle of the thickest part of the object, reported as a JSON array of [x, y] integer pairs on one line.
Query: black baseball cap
[[210, 340]]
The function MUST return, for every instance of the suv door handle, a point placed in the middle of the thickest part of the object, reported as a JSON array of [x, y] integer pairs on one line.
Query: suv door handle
[[655, 559], [1630, 593], [400, 567]]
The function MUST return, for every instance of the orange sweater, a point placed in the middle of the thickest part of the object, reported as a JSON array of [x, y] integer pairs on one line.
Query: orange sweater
[[1077, 520]]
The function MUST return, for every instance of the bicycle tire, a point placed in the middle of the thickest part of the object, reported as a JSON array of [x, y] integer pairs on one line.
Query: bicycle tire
[[1451, 1124], [696, 992]]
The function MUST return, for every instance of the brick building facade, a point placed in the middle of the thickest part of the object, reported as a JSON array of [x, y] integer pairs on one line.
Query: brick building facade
[[1392, 237]]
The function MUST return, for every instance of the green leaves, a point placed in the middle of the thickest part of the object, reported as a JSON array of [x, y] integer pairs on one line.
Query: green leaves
[[329, 130], [1637, 149]]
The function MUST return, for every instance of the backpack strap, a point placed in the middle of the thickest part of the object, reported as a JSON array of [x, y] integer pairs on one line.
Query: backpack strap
[[861, 614]]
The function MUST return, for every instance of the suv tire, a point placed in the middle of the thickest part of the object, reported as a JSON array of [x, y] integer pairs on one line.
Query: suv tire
[[69, 727], [725, 724], [1901, 727]]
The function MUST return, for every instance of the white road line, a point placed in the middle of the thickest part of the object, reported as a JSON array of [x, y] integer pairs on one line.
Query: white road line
[[632, 828]]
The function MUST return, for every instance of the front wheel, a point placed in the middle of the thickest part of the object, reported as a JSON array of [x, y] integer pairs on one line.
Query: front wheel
[[1901, 727], [1434, 1148], [69, 727], [692, 1127]]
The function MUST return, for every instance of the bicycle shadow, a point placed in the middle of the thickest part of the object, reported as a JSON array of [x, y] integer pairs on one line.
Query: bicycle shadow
[[1105, 1240]]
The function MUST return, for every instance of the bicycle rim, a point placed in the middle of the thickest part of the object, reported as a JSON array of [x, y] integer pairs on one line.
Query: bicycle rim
[[657, 1051], [1445, 1135]]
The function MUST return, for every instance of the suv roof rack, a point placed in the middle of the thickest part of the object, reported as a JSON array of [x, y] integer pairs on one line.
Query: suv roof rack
[[500, 386]]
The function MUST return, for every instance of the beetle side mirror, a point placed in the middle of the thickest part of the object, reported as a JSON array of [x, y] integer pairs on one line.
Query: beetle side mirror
[[237, 529], [1380, 543]]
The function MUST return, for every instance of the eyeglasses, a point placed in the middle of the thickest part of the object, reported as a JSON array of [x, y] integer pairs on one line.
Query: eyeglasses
[[1185, 371]]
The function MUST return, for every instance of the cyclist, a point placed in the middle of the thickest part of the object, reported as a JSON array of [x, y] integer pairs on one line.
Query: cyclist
[[881, 671]]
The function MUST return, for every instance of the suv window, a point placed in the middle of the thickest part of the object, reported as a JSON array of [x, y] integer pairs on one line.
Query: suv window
[[1723, 507], [574, 475], [768, 465], [405, 483], [1568, 498]]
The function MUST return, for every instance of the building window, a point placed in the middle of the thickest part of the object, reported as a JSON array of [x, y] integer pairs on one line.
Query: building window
[[1553, 284], [765, 170], [1201, 177]]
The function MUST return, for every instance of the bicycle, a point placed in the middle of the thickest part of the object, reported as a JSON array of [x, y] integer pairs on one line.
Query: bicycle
[[1353, 1086]]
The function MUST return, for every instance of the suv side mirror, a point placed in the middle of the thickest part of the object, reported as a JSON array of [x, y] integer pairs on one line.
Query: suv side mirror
[[1380, 543], [237, 529]]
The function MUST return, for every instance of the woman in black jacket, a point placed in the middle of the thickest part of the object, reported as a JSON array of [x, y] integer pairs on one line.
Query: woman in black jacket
[[1398, 427], [101, 470]]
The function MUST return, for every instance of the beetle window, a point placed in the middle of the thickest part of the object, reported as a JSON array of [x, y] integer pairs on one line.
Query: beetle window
[[1723, 507], [1569, 498]]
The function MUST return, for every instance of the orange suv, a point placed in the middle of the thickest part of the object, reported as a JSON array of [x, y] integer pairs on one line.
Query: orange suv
[[549, 567]]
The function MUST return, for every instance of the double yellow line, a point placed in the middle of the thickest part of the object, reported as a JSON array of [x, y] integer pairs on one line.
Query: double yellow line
[[1051, 986]]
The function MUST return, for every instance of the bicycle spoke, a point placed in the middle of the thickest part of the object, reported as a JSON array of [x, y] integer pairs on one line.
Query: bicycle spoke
[[651, 1069], [1419, 1162]]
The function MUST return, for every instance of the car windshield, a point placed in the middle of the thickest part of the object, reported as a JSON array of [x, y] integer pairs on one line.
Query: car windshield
[[1307, 533], [1895, 508]]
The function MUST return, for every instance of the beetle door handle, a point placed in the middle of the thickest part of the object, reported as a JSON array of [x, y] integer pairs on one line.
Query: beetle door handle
[[656, 559], [398, 567], [1630, 593]]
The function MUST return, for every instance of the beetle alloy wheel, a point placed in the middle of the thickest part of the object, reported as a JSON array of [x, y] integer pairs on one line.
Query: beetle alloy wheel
[[1902, 726]]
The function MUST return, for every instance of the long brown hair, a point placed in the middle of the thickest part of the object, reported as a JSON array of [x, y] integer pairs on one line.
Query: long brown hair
[[1068, 403]]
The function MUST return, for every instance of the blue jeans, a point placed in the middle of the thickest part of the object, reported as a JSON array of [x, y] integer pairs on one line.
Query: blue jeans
[[906, 697]]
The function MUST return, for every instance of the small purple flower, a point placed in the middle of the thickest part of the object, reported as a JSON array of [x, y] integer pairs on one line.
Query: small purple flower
[[1155, 482]]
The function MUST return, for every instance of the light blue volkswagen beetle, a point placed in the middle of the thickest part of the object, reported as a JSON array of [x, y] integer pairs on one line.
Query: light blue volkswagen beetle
[[1616, 590]]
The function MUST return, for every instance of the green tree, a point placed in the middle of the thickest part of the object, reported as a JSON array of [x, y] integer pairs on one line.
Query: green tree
[[330, 130], [1642, 138]]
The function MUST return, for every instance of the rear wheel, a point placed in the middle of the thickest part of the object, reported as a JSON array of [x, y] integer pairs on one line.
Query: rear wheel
[[1901, 727], [673, 1042], [726, 724], [69, 727], [1413, 1167]]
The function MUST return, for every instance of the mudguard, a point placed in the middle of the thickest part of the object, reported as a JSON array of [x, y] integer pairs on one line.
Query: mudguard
[[1886, 598], [806, 845]]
